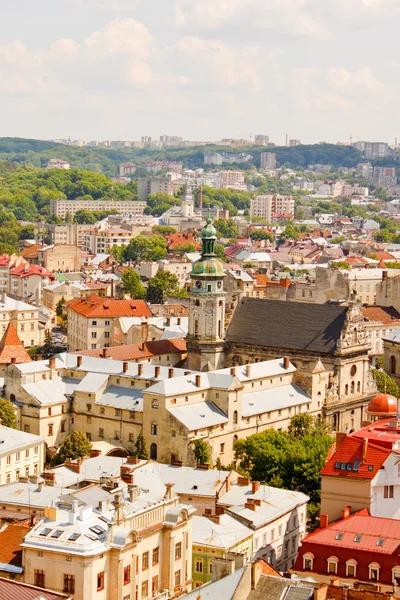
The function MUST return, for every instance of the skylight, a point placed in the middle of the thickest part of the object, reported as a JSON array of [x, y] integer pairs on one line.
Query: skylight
[[97, 529], [57, 533], [339, 536], [357, 538], [45, 532], [380, 542], [74, 537], [370, 468]]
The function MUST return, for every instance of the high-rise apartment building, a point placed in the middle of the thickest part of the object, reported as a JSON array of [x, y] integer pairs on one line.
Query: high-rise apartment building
[[61, 207], [265, 205], [153, 185], [374, 150], [261, 140], [267, 160]]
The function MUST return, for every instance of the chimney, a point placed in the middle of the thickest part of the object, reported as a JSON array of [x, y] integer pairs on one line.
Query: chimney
[[140, 369], [340, 437], [106, 352], [323, 521], [125, 365], [384, 275], [364, 449], [94, 453], [132, 460], [187, 372], [133, 491], [144, 331], [178, 322], [169, 493], [233, 371], [243, 481], [168, 321], [248, 370], [52, 363], [228, 482], [198, 380], [214, 518], [13, 360], [286, 362], [157, 371], [126, 475], [346, 512], [79, 361], [255, 486], [250, 506], [170, 373]]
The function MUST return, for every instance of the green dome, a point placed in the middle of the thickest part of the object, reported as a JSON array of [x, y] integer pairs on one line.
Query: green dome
[[208, 266], [209, 230]]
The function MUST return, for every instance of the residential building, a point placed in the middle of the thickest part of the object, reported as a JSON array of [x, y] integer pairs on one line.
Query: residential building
[[24, 317], [10, 589], [366, 284], [261, 140], [127, 169], [53, 258], [265, 205], [28, 280], [101, 241], [138, 330], [57, 163], [391, 352], [21, 454], [380, 321], [68, 290], [293, 143], [91, 319], [373, 150], [167, 352], [163, 165], [356, 547], [388, 289], [116, 540], [71, 234], [152, 185], [212, 158], [268, 161], [61, 207], [183, 216], [230, 179], [7, 263], [11, 349]]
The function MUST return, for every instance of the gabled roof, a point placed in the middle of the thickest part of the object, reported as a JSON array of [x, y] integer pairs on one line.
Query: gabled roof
[[382, 314], [287, 325], [355, 458], [10, 590], [134, 351], [95, 306], [26, 270], [11, 347], [11, 536]]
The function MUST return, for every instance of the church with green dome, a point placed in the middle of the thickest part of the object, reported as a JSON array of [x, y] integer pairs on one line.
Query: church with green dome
[[207, 306]]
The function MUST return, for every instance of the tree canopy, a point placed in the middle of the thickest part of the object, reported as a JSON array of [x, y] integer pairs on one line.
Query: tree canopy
[[75, 446], [142, 248], [161, 286], [7, 413], [132, 285]]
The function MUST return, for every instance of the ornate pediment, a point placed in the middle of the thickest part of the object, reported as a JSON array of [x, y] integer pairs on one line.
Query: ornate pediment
[[354, 333]]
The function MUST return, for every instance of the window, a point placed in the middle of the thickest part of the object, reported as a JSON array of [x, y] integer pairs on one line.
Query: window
[[177, 579], [392, 365], [178, 550], [94, 335], [18, 457], [308, 561], [88, 407], [39, 578], [155, 555], [32, 326], [22, 327], [117, 412], [102, 410], [69, 584], [62, 426], [154, 403], [154, 585], [100, 581], [106, 334], [351, 568], [107, 324], [199, 566], [145, 589], [272, 535], [357, 538], [49, 411], [235, 417], [127, 574], [153, 451], [101, 432], [131, 437], [388, 491], [222, 448], [145, 560], [154, 429], [50, 430], [374, 571], [332, 565], [9, 459], [56, 533], [380, 542], [94, 323]]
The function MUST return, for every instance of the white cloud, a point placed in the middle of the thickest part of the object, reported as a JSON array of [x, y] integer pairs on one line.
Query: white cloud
[[356, 82], [120, 36]]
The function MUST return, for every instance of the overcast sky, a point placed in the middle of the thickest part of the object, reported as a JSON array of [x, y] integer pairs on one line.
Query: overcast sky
[[201, 69]]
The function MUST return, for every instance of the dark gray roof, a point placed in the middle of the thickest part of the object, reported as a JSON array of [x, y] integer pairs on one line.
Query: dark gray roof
[[287, 325]]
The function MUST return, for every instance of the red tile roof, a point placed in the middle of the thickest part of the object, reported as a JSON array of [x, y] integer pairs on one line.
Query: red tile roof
[[381, 433], [382, 314], [134, 351], [4, 259], [351, 450], [25, 270], [16, 590], [11, 347], [361, 523], [94, 306], [384, 256], [11, 539]]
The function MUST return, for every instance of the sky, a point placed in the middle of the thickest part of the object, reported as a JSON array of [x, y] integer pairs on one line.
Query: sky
[[317, 70]]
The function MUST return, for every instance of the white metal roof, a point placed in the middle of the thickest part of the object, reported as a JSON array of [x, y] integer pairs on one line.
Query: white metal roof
[[227, 534], [277, 398], [12, 439], [199, 415]]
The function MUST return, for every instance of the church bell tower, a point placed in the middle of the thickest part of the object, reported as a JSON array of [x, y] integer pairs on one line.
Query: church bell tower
[[206, 335]]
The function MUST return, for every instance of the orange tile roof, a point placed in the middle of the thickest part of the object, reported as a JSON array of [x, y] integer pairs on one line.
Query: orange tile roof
[[95, 306], [32, 251], [11, 539], [25, 270], [11, 347], [384, 256], [350, 451], [134, 351], [382, 314]]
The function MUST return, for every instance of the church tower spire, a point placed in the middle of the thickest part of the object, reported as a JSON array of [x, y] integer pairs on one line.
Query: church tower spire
[[206, 306]]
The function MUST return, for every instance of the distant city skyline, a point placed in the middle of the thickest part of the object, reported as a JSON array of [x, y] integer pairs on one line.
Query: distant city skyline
[[200, 69]]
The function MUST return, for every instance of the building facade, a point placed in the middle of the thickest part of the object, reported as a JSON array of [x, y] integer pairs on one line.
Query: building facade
[[59, 208]]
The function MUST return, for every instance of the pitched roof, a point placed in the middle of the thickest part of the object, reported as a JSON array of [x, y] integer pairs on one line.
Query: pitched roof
[[10, 551], [26, 270], [95, 306], [383, 314], [12, 347], [132, 351], [10, 590], [349, 456], [370, 529], [287, 325]]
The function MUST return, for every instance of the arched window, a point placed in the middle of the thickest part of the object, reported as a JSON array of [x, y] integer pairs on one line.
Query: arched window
[[333, 564], [374, 571], [235, 417], [308, 561], [235, 437], [352, 387], [219, 329], [153, 451], [154, 403], [197, 303], [358, 386], [154, 429], [392, 366], [196, 328], [12, 397], [351, 567], [346, 390]]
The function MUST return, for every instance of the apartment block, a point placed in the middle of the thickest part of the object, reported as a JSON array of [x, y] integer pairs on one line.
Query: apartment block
[[61, 207], [267, 160], [100, 241], [266, 205], [21, 454], [153, 185], [70, 233]]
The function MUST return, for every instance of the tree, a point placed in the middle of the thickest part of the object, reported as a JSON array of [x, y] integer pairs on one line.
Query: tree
[[226, 228], [142, 248], [75, 446], [163, 229], [132, 285], [117, 252], [289, 233], [383, 235], [140, 447], [59, 307], [259, 234], [385, 383], [162, 285], [7, 413], [340, 264], [202, 452], [219, 250], [185, 248]]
